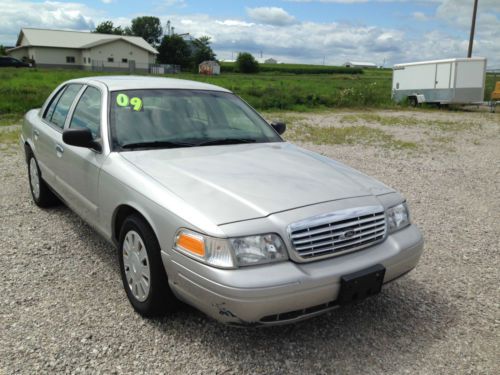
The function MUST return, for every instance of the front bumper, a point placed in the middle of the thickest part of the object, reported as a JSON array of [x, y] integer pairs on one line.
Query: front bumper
[[284, 292]]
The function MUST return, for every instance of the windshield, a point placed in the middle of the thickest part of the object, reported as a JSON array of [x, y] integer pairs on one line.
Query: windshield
[[183, 118]]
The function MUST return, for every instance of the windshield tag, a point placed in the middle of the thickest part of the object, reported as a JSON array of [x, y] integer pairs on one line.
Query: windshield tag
[[123, 100]]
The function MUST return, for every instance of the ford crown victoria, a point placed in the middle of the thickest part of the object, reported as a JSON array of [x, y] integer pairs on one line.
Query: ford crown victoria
[[208, 204]]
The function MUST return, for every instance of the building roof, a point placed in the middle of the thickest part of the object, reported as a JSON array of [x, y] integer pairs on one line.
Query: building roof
[[75, 39], [115, 83]]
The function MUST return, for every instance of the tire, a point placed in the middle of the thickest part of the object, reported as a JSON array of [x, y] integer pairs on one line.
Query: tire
[[412, 101], [141, 267], [40, 191]]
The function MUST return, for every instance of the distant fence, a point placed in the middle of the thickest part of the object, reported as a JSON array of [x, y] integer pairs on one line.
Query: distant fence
[[133, 67]]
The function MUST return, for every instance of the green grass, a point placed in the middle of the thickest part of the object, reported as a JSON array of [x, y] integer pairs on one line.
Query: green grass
[[296, 69], [443, 125], [9, 137], [10, 118], [348, 135], [23, 89]]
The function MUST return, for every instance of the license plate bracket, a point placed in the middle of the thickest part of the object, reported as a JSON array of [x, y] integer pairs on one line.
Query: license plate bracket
[[361, 284]]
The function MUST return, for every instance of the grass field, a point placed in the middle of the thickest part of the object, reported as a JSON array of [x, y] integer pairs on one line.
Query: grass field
[[23, 89]]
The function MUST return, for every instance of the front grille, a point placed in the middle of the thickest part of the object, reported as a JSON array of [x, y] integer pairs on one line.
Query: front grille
[[338, 232]]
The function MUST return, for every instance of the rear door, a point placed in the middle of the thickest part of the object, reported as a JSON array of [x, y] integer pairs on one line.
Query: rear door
[[78, 172], [47, 134]]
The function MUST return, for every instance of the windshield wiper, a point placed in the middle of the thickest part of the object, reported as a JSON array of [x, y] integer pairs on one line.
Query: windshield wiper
[[156, 144], [226, 141]]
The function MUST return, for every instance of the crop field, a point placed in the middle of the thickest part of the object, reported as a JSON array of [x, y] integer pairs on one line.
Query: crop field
[[23, 89]]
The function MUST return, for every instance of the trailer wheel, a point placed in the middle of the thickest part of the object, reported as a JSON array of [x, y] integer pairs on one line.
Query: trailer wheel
[[412, 101]]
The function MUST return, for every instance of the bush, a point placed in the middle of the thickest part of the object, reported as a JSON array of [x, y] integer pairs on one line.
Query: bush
[[246, 63]]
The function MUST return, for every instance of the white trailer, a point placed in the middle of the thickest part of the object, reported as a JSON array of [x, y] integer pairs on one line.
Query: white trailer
[[451, 81]]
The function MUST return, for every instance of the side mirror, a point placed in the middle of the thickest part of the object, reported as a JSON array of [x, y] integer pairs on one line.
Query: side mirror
[[81, 137], [280, 127]]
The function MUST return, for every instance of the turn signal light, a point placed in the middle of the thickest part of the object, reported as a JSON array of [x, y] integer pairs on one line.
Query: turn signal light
[[191, 243]]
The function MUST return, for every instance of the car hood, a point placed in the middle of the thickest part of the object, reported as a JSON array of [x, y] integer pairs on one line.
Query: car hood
[[241, 182]]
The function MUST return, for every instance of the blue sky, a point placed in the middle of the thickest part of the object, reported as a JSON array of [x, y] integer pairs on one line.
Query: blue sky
[[310, 31]]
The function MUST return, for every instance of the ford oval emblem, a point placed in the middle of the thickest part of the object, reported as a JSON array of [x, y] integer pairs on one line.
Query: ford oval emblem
[[348, 234]]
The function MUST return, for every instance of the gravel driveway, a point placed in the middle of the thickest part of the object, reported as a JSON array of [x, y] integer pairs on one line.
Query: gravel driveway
[[63, 308]]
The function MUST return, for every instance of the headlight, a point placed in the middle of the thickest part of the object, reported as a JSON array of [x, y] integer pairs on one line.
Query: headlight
[[265, 248], [398, 217], [232, 252]]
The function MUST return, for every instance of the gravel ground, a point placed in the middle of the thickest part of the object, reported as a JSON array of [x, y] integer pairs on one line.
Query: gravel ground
[[63, 308]]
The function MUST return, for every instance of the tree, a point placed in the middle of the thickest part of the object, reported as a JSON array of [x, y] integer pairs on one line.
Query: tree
[[173, 49], [107, 27], [246, 63], [3, 52], [148, 28], [202, 50]]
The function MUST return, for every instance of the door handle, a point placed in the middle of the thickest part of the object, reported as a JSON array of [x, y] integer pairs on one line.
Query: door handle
[[59, 149]]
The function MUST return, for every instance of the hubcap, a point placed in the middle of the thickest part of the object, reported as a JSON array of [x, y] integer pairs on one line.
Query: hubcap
[[136, 264], [34, 179]]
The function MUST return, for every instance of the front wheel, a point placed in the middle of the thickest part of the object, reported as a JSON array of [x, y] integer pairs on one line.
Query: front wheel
[[142, 271]]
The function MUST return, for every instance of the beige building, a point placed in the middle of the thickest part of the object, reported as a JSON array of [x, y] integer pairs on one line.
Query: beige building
[[83, 50]]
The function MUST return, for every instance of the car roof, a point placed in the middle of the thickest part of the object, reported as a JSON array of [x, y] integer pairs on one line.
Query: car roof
[[125, 82]]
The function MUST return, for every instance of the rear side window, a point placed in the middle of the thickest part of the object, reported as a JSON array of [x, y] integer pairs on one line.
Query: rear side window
[[50, 109], [87, 113], [63, 104]]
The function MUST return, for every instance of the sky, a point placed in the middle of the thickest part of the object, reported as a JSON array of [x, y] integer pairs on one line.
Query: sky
[[330, 32]]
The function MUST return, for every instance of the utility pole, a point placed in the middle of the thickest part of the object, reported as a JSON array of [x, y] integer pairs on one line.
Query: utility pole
[[472, 29]]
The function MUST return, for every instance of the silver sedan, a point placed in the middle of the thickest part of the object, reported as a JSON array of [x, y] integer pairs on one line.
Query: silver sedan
[[207, 204]]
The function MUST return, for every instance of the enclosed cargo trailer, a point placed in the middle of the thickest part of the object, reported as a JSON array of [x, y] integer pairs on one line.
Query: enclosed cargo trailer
[[451, 81]]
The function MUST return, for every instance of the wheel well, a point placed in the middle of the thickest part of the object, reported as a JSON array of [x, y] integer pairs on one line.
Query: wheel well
[[122, 212], [27, 150]]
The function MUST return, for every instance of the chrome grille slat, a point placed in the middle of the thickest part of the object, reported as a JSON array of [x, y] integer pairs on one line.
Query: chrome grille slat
[[340, 246], [354, 237], [334, 227], [338, 233]]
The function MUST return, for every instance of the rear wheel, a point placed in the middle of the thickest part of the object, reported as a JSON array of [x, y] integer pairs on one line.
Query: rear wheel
[[41, 193], [142, 271]]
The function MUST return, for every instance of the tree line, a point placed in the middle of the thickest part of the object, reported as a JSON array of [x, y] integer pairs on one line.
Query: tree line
[[172, 49]]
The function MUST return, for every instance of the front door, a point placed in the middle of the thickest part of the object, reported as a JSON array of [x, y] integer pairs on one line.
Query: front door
[[47, 133], [80, 167]]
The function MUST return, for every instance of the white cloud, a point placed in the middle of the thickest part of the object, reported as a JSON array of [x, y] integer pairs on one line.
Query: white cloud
[[235, 23], [107, 1], [271, 16], [49, 14], [362, 1], [420, 16]]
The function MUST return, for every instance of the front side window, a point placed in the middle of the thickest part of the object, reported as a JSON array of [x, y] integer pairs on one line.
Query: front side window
[[61, 109], [87, 112], [175, 118]]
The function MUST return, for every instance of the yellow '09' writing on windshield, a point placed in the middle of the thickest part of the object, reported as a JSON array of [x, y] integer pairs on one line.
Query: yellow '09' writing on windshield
[[123, 100]]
